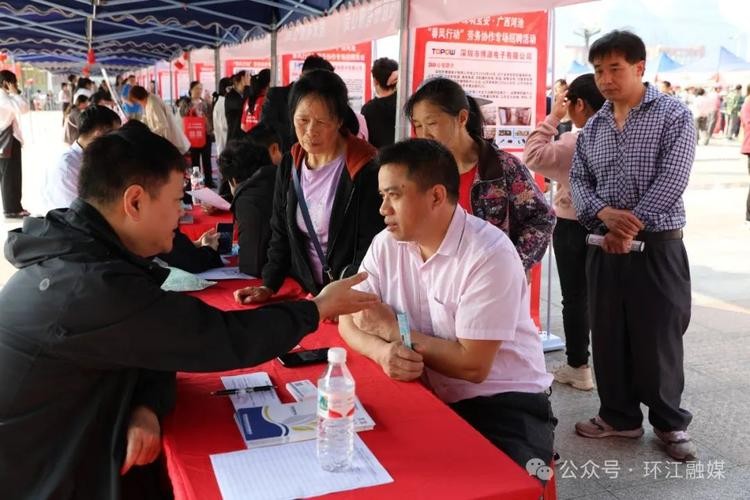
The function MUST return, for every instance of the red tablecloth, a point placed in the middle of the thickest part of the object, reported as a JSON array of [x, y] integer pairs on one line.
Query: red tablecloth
[[429, 450], [202, 222]]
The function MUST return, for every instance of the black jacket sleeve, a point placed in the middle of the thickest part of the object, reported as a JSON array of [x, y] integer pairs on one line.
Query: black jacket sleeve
[[279, 249], [155, 390], [369, 220], [139, 325], [186, 256], [251, 212]]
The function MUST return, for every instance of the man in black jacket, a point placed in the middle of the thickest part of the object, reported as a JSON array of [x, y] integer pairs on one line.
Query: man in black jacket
[[88, 339], [275, 112]]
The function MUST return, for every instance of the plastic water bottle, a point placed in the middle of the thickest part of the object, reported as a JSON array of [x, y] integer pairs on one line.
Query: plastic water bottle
[[336, 413], [196, 181]]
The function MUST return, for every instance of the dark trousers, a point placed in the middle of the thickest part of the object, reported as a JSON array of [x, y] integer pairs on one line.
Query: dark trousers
[[640, 309], [569, 242], [202, 157], [713, 118], [10, 180], [521, 424]]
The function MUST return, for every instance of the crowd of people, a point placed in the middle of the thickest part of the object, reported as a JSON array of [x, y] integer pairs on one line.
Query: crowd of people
[[443, 227]]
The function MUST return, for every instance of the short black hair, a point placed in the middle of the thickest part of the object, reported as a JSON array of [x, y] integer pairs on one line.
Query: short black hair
[[428, 163], [316, 62], [241, 158], [83, 83], [8, 76], [325, 85], [99, 96], [138, 93], [131, 155], [81, 99], [382, 69], [224, 85], [667, 83], [626, 43], [238, 76], [96, 117], [584, 88], [263, 135]]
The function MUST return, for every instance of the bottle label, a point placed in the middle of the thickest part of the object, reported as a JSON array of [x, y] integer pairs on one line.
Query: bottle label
[[335, 405]]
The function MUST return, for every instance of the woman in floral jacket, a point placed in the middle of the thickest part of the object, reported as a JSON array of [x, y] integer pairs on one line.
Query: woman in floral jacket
[[495, 185]]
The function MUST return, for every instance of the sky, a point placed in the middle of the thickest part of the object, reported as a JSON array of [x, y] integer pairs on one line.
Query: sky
[[679, 23]]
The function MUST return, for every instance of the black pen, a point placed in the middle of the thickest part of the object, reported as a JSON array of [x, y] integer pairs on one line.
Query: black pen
[[244, 390]]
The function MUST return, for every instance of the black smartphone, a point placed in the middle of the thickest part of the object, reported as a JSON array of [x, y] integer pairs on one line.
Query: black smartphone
[[226, 231], [305, 357]]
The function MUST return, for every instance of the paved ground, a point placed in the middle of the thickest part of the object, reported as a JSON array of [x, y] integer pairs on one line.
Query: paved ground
[[717, 364]]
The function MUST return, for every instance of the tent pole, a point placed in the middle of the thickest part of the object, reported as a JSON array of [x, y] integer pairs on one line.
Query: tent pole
[[274, 51], [274, 59], [404, 72], [171, 83], [550, 342], [217, 61]]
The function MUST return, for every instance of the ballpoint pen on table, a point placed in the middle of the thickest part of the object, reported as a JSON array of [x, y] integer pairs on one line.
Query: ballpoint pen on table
[[243, 390]]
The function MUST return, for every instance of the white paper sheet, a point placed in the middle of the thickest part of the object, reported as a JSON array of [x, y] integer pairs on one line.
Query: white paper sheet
[[291, 471], [183, 281], [224, 273], [260, 398], [209, 197]]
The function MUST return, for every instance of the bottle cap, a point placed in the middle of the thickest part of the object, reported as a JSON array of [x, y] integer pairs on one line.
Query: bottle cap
[[336, 355]]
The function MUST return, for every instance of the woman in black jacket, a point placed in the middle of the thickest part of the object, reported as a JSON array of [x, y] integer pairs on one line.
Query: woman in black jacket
[[338, 179], [251, 176]]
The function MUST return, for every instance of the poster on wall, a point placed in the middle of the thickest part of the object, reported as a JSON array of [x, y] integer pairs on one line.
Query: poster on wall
[[352, 63], [181, 80], [205, 73], [252, 66], [163, 85], [501, 60]]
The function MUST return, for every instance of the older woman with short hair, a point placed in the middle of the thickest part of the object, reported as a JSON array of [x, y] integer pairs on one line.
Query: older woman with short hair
[[337, 178]]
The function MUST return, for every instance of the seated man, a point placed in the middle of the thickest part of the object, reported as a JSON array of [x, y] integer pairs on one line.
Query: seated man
[[61, 181], [88, 338], [251, 176], [461, 284]]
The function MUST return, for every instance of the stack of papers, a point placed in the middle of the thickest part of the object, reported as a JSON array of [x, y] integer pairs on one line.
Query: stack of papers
[[224, 273], [292, 471], [278, 423]]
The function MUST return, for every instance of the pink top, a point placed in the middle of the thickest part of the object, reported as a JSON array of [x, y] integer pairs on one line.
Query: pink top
[[474, 287], [553, 159], [319, 187], [745, 118]]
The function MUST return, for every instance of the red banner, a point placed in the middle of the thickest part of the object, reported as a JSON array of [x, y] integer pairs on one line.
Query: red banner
[[352, 63], [501, 61], [206, 74], [253, 66]]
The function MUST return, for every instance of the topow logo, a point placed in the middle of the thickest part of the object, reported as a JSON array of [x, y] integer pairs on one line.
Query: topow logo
[[537, 468]]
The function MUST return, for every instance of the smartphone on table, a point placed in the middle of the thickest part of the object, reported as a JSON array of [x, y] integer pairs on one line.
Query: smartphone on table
[[226, 233], [304, 357]]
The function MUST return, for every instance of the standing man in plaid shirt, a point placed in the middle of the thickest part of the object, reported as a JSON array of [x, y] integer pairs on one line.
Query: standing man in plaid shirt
[[631, 166]]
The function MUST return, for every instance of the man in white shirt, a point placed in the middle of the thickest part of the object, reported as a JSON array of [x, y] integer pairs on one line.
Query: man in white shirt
[[462, 286], [61, 181], [12, 105], [64, 96]]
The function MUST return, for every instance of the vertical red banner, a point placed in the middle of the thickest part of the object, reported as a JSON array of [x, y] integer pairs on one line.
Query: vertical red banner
[[502, 62], [352, 63]]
